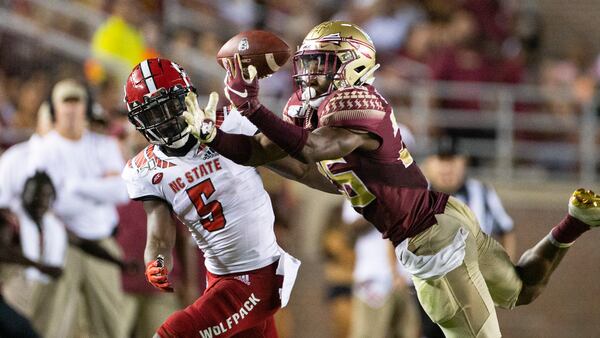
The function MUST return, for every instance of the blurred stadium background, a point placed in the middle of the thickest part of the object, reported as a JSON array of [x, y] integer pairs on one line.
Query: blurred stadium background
[[516, 81]]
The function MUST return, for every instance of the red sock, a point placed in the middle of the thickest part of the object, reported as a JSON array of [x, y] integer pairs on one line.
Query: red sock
[[569, 229]]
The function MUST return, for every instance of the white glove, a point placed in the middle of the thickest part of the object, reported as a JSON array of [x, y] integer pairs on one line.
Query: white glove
[[201, 123]]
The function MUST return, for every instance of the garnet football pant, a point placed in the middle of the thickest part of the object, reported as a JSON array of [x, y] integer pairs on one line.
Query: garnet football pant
[[240, 305], [462, 301]]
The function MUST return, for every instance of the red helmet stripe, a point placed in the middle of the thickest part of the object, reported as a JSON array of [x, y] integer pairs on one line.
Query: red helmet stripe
[[147, 74]]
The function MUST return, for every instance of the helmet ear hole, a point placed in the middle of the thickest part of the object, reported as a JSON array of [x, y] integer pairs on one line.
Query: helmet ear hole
[[359, 69]]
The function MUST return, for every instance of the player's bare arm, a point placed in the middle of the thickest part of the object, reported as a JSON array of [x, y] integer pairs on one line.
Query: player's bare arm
[[328, 143], [159, 243], [307, 174], [161, 232]]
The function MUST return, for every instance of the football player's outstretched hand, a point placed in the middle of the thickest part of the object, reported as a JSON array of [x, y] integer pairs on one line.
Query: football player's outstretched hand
[[156, 274], [240, 90], [201, 123]]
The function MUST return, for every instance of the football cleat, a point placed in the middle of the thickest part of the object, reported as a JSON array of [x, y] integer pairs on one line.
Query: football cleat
[[585, 206]]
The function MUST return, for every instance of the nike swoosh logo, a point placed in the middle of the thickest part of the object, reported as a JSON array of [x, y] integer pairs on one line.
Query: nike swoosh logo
[[243, 94]]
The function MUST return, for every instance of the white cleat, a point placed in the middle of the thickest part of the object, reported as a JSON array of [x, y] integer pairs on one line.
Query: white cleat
[[585, 206]]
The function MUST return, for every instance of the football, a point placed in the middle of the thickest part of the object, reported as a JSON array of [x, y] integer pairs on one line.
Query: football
[[264, 50]]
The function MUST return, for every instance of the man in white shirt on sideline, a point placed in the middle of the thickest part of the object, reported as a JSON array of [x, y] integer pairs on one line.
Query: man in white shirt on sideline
[[85, 168]]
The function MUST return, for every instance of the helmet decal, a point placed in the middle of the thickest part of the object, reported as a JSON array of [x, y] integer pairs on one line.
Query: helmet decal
[[148, 76], [343, 45]]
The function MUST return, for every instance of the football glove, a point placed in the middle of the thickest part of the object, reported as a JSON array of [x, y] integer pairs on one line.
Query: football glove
[[156, 274], [242, 92], [201, 123], [585, 206]]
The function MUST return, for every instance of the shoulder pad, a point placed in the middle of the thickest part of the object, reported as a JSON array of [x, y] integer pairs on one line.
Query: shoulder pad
[[352, 103], [147, 157]]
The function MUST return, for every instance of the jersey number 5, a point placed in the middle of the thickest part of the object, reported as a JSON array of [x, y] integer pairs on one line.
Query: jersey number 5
[[211, 214], [347, 182]]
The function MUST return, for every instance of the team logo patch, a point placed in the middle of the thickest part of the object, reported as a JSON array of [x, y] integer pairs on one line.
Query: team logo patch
[[243, 45], [157, 178], [209, 153], [243, 278]]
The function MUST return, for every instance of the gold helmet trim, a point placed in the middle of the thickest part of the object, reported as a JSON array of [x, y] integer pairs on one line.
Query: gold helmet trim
[[351, 44]]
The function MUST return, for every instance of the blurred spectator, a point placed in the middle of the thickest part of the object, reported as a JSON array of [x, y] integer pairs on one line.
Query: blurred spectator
[[12, 323], [180, 44], [85, 167], [378, 18], [7, 109], [447, 171], [290, 18], [44, 241], [491, 17], [464, 60], [339, 261], [382, 305], [285, 208], [118, 43], [31, 94]]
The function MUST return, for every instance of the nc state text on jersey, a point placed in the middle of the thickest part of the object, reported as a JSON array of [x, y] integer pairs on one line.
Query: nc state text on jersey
[[195, 173]]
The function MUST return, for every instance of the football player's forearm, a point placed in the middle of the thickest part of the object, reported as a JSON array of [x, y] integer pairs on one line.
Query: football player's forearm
[[327, 144], [323, 144], [246, 150], [158, 246], [161, 232], [306, 174]]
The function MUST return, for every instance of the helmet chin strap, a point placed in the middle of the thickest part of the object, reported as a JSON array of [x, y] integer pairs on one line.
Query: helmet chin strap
[[307, 97], [308, 93], [179, 143]]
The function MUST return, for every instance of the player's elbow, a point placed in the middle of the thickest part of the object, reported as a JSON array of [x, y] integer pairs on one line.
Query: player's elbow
[[307, 155]]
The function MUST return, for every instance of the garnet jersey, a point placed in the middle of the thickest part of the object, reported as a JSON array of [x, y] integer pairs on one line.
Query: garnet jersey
[[384, 185], [223, 204]]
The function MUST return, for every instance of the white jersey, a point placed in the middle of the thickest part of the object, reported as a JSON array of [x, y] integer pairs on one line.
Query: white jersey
[[85, 175], [223, 204]]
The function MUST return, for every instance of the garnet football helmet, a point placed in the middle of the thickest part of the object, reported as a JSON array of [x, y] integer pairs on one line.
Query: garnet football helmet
[[338, 50], [155, 96]]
